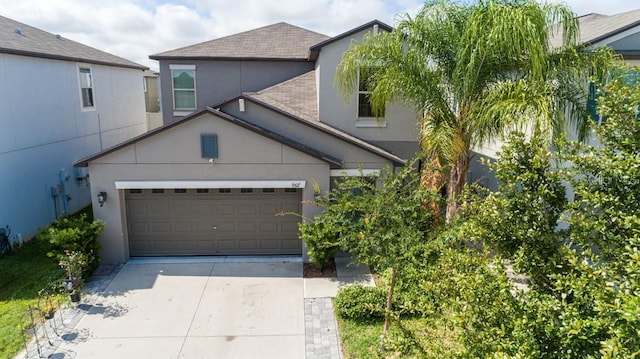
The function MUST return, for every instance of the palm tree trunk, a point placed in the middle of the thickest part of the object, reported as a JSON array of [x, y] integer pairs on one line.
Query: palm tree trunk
[[432, 179], [457, 180]]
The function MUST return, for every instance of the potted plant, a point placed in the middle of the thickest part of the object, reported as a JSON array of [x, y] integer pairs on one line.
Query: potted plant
[[74, 264]]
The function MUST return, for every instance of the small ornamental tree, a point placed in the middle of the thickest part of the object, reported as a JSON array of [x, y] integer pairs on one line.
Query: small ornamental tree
[[380, 226]]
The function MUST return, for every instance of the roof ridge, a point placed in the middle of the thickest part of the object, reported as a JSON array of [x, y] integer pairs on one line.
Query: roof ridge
[[238, 34]]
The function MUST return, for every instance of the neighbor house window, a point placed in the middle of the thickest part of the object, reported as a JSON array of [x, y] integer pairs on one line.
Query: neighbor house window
[[86, 88], [183, 79]]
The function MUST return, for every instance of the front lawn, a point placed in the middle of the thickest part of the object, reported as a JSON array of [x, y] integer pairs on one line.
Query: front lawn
[[413, 337], [23, 275]]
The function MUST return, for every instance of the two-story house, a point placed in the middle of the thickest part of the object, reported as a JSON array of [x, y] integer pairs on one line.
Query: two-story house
[[253, 127], [59, 101]]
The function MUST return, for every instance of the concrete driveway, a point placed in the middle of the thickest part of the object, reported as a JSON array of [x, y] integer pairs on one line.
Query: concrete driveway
[[226, 308]]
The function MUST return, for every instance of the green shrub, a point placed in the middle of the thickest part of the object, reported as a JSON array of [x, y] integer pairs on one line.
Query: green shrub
[[358, 302], [75, 233], [321, 240]]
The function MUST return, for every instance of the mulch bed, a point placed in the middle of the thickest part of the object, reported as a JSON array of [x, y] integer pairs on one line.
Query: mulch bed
[[312, 270]]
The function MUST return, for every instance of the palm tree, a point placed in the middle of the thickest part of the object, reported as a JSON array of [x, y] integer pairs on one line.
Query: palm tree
[[472, 72]]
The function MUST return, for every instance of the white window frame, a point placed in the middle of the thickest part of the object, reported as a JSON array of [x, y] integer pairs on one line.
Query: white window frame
[[369, 121], [183, 111], [92, 86]]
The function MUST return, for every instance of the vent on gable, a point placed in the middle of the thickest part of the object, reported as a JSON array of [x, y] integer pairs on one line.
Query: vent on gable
[[209, 145]]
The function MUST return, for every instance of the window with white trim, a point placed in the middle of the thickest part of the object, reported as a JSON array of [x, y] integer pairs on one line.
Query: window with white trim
[[365, 110], [86, 88], [183, 82]]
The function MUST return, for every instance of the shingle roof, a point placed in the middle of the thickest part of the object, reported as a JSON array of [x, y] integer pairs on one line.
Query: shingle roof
[[597, 27], [276, 42], [21, 39], [297, 99], [296, 96]]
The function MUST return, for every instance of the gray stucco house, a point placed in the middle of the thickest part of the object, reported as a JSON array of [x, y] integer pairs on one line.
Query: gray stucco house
[[619, 31], [252, 124], [60, 101]]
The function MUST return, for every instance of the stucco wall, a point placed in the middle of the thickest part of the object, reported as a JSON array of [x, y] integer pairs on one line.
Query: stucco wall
[[400, 121], [44, 130], [175, 155], [217, 81], [353, 156]]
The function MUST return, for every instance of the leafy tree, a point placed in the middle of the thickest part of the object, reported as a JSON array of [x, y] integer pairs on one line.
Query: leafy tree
[[380, 226], [519, 221], [471, 71], [604, 219]]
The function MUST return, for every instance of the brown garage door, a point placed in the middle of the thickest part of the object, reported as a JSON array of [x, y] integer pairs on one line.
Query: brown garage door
[[221, 221]]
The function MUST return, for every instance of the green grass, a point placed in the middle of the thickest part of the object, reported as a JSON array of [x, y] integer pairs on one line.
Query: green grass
[[408, 338], [22, 276]]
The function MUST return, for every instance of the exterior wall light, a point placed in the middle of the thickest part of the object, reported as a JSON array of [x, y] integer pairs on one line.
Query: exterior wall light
[[102, 198]]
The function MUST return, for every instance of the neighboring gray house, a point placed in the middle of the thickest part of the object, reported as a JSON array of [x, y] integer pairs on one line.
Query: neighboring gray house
[[620, 31], [59, 101], [252, 124]]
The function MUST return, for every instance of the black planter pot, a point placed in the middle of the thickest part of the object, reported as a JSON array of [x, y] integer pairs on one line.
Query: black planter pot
[[49, 315], [75, 297]]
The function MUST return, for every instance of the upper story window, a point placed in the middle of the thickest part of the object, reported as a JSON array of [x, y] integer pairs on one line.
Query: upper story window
[[364, 96], [86, 88], [183, 79], [366, 115]]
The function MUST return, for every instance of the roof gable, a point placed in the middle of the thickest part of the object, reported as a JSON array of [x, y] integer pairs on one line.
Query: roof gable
[[279, 41], [333, 161], [297, 99], [315, 49], [20, 39]]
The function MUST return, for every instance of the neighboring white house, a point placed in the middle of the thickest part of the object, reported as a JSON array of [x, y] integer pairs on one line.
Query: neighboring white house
[[59, 101], [620, 31]]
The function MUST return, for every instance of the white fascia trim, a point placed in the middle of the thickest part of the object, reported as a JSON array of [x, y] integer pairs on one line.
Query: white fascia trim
[[210, 184], [354, 173], [181, 67]]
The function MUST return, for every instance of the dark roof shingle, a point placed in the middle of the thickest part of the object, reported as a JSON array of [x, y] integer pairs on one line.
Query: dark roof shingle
[[20, 39], [279, 41]]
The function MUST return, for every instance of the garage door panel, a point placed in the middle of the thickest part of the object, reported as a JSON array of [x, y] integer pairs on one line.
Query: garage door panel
[[137, 208], [162, 245], [155, 207], [223, 209], [198, 223], [248, 244], [247, 209], [267, 227], [271, 244], [160, 227], [246, 227], [292, 244], [138, 228], [205, 245], [184, 227]]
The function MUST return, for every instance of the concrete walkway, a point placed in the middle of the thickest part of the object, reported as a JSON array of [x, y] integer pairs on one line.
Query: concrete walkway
[[201, 307]]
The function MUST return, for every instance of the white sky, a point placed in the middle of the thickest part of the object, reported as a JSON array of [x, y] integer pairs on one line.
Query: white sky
[[135, 29]]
